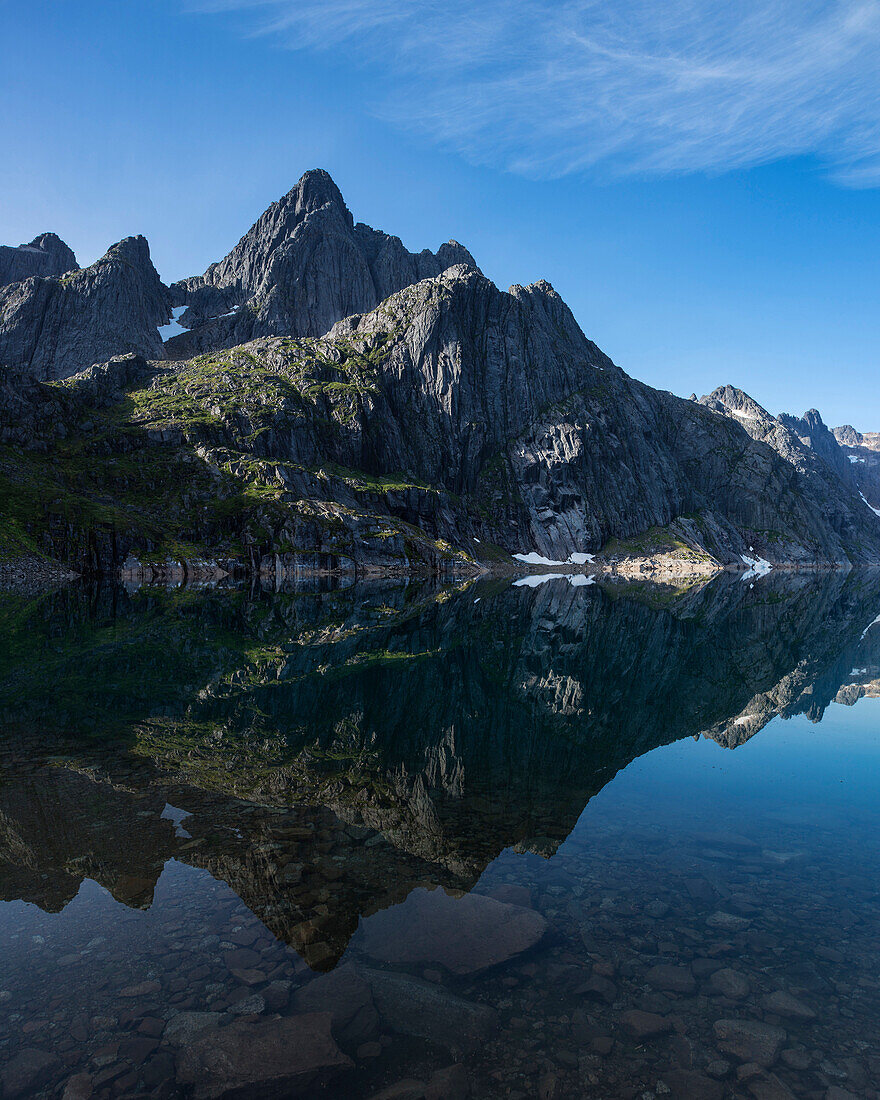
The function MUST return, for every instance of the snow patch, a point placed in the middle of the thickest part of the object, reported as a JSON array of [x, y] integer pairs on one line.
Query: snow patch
[[742, 415], [876, 511], [855, 458], [174, 327], [757, 567], [868, 627], [534, 558]]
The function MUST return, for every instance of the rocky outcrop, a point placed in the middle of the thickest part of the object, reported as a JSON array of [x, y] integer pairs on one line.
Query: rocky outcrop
[[53, 327], [45, 256], [301, 267]]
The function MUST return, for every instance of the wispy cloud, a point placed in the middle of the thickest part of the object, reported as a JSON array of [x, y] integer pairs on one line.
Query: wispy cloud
[[548, 87]]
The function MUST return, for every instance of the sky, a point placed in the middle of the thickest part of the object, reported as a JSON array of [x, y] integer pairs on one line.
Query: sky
[[700, 181]]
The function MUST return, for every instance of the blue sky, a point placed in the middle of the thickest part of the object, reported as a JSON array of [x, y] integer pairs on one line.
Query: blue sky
[[699, 180]]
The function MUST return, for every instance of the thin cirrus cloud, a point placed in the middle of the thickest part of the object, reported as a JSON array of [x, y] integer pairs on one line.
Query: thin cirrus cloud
[[550, 87]]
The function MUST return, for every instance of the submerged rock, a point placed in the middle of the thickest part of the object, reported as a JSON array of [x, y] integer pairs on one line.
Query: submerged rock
[[252, 1058], [466, 934], [422, 1009], [27, 1072], [783, 1004], [749, 1040]]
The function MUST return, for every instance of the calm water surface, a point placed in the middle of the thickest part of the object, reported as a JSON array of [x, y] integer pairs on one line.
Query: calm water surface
[[409, 841]]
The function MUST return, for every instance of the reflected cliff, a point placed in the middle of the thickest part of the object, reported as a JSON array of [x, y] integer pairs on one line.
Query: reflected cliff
[[335, 749]]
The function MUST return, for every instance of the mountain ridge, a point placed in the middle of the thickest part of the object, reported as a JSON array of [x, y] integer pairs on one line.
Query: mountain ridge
[[446, 424]]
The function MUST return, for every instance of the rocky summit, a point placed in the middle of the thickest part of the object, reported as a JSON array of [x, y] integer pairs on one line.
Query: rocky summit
[[54, 326], [335, 402], [300, 268]]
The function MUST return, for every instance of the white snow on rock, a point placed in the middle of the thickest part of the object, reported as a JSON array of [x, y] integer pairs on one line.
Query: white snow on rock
[[757, 567], [868, 627], [855, 458], [742, 415], [876, 511], [174, 327], [580, 559]]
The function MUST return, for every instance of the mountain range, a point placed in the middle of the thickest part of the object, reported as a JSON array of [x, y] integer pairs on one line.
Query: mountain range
[[323, 399]]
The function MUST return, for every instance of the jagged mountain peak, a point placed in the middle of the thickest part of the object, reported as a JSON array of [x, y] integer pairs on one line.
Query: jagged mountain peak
[[303, 265]]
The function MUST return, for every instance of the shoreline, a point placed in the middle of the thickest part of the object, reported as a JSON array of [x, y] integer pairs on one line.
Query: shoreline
[[32, 575]]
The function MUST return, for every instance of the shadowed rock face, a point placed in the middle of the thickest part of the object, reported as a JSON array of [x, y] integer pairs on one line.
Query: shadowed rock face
[[46, 255], [53, 327], [362, 744], [807, 445], [813, 433], [300, 268], [862, 451]]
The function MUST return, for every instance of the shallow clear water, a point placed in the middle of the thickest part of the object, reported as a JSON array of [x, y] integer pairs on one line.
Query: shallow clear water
[[493, 841]]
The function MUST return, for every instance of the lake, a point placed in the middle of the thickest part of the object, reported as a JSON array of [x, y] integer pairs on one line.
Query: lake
[[411, 840]]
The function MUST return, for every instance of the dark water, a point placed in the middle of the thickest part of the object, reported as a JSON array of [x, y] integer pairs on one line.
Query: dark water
[[490, 841]]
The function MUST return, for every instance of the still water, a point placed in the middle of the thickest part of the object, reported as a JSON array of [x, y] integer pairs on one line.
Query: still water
[[410, 841]]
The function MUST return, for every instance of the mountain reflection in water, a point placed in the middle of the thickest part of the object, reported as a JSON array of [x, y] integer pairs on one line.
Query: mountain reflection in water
[[230, 809]]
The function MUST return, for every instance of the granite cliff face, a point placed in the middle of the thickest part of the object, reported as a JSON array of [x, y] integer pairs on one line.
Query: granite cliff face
[[301, 267], [55, 326], [46, 255]]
